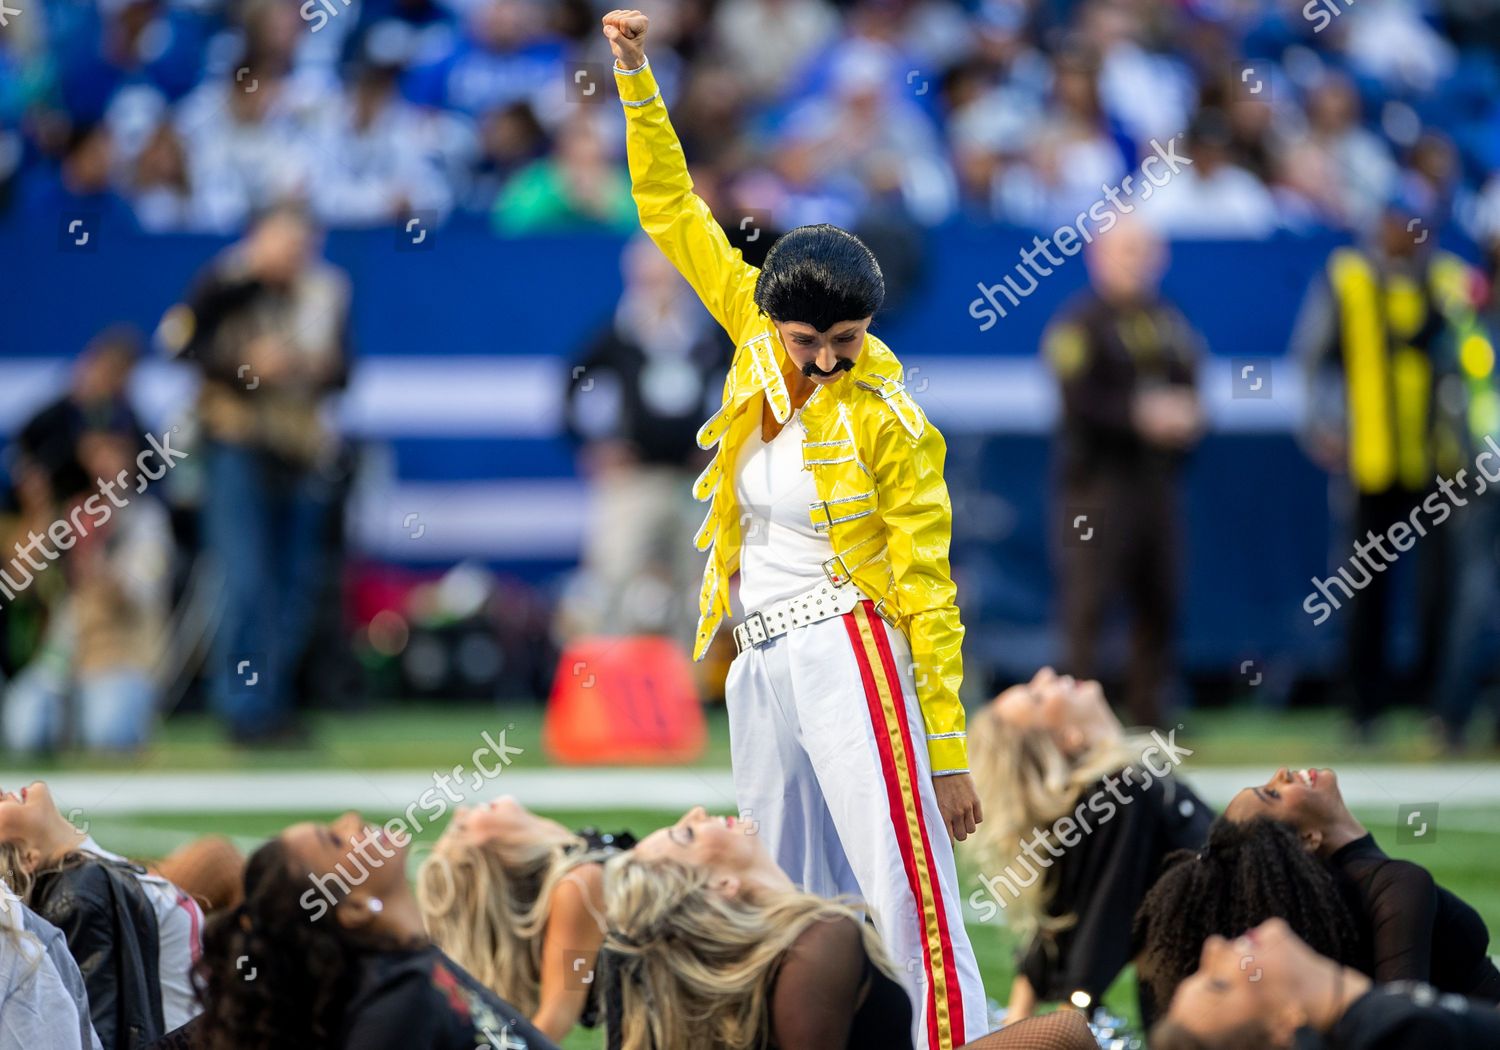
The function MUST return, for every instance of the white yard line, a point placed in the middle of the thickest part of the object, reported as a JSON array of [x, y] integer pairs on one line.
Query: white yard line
[[379, 791], [393, 791]]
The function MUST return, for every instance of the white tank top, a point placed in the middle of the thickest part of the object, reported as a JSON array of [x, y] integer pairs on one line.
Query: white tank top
[[782, 554]]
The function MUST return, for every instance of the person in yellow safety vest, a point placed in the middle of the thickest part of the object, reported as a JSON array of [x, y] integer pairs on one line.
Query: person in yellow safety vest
[[1374, 335], [1471, 401]]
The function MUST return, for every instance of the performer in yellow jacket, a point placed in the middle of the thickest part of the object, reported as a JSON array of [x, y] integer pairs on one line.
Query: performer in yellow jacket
[[826, 495]]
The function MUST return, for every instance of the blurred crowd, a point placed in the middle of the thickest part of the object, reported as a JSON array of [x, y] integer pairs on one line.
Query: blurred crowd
[[80, 644], [195, 114], [146, 580]]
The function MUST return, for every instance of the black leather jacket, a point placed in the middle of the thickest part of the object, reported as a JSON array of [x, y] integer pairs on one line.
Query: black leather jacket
[[111, 932]]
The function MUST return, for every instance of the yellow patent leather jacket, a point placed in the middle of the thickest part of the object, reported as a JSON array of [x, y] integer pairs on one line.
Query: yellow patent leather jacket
[[877, 462]]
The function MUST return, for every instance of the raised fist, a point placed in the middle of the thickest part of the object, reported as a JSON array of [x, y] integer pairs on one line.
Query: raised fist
[[626, 32]]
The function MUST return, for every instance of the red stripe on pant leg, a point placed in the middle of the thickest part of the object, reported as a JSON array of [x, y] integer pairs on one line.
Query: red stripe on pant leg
[[898, 815], [950, 970]]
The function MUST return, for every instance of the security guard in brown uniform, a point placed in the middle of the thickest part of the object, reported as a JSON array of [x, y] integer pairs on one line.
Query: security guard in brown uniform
[[1126, 360]]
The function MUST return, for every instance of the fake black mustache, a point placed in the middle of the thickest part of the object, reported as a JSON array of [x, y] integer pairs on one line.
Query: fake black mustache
[[843, 364]]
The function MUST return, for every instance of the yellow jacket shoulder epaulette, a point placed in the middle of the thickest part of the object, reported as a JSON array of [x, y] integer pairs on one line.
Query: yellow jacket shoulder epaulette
[[892, 393]]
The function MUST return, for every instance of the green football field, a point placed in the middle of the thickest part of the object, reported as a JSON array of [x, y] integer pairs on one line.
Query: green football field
[[418, 736], [1464, 856]]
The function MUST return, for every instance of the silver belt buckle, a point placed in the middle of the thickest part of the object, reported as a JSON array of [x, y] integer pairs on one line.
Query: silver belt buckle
[[824, 601], [755, 628]]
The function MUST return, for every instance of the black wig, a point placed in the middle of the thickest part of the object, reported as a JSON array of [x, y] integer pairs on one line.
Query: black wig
[[819, 275]]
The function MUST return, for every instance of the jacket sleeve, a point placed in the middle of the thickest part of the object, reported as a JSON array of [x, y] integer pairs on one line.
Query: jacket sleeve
[[82, 916], [56, 946], [913, 502], [674, 216]]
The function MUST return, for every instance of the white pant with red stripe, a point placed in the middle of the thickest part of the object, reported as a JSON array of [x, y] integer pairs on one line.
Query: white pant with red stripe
[[830, 758]]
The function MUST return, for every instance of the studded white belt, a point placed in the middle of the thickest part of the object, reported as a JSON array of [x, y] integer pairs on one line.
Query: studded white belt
[[821, 603]]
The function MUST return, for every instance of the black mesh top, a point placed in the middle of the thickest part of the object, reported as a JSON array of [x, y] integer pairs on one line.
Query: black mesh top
[[1418, 930], [829, 994]]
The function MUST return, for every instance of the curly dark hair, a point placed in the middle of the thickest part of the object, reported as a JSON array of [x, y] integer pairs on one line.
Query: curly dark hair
[[820, 275], [271, 977], [1247, 873]]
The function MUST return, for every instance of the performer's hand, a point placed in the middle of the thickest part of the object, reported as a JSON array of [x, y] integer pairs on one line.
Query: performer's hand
[[959, 803], [626, 32]]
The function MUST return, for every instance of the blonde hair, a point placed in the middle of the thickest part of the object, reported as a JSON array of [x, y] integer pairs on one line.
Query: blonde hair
[[1028, 783], [16, 939], [695, 967], [15, 887], [13, 871], [486, 905]]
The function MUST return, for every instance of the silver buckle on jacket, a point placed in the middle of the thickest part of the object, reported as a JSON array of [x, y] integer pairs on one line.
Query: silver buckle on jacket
[[836, 571], [821, 507], [885, 390]]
